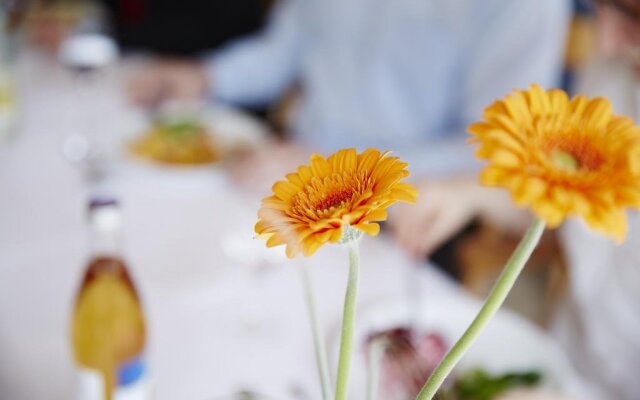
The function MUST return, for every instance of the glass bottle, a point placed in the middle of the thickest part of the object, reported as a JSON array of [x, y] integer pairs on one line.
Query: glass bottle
[[108, 324]]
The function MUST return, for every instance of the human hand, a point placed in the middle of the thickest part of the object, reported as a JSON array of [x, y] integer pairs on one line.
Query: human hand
[[443, 208], [258, 169], [168, 80]]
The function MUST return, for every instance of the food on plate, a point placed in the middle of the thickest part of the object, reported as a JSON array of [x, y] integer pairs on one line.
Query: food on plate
[[477, 384], [409, 357], [181, 142]]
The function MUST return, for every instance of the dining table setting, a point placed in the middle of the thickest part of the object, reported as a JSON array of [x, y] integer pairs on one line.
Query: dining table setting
[[225, 314]]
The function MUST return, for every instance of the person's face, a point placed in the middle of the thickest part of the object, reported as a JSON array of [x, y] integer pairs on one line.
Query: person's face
[[618, 29]]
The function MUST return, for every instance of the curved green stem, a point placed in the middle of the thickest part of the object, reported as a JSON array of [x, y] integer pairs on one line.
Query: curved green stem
[[348, 317], [493, 302], [318, 341], [376, 352]]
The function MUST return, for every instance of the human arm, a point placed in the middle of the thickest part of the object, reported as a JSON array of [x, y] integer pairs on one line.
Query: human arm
[[249, 71], [257, 69]]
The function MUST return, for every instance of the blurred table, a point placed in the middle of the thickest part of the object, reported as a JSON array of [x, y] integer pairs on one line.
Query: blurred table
[[224, 313], [223, 316]]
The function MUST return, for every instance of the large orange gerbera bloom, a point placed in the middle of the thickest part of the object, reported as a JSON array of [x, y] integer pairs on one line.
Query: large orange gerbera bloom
[[562, 157], [315, 204]]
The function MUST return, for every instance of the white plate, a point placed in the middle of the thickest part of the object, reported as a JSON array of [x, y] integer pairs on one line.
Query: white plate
[[233, 130], [509, 343]]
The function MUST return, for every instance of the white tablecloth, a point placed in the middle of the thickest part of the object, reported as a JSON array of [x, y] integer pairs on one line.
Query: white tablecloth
[[223, 313]]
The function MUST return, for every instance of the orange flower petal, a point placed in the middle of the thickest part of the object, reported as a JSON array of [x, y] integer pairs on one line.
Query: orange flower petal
[[275, 240], [368, 160], [525, 137], [320, 166], [284, 190], [312, 206], [369, 228]]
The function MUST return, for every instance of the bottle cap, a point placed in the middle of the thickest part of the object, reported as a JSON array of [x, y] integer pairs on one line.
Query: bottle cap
[[104, 214], [102, 201]]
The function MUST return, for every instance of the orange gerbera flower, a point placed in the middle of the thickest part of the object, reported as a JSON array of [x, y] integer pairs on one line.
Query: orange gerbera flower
[[313, 206], [562, 157]]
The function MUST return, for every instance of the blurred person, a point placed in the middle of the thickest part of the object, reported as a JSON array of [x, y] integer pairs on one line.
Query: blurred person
[[45, 24], [165, 27], [598, 322], [406, 75], [185, 27]]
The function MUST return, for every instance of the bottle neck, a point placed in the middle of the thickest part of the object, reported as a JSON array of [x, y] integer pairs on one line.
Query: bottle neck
[[105, 227], [105, 244]]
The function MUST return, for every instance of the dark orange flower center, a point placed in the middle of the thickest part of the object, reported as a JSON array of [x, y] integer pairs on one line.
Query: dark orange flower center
[[334, 199], [331, 192], [581, 151]]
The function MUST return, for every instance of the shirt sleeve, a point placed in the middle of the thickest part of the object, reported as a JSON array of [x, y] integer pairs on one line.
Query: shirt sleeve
[[510, 45], [256, 69]]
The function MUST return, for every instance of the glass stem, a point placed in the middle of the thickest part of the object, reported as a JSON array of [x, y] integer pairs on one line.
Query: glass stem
[[318, 341], [493, 302], [348, 317]]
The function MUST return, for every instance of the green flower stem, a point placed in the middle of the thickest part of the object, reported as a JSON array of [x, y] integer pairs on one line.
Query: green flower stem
[[495, 299], [376, 352], [318, 341], [348, 317]]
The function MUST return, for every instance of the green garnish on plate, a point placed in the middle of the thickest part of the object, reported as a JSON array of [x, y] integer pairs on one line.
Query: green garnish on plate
[[477, 384]]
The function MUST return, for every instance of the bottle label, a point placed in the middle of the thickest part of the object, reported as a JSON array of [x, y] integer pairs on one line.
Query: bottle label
[[132, 383]]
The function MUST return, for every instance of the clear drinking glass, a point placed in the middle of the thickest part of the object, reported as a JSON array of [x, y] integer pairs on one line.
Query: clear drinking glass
[[87, 55]]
